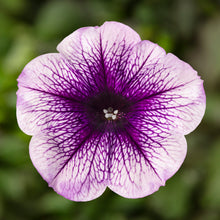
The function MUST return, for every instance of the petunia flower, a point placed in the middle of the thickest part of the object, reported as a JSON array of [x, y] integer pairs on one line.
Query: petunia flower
[[108, 110]]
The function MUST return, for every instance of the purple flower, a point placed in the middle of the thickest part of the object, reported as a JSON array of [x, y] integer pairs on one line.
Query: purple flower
[[108, 110]]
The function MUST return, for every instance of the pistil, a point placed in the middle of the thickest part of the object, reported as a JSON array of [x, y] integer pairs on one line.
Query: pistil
[[110, 113]]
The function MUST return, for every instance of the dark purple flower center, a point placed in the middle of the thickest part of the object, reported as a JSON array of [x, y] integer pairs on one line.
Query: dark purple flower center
[[107, 111]]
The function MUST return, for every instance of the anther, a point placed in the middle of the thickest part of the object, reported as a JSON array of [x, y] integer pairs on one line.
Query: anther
[[110, 114]]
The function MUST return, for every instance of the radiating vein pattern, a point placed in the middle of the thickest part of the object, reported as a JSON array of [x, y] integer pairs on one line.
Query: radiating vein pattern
[[108, 110]]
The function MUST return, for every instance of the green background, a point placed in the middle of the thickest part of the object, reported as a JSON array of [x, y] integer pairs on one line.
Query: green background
[[188, 28]]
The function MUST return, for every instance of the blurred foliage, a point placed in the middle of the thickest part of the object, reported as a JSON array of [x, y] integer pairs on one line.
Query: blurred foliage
[[188, 28]]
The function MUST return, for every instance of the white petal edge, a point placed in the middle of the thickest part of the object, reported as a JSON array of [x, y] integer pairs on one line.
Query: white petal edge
[[133, 177]]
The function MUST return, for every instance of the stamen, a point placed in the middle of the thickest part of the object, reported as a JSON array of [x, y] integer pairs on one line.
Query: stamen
[[110, 109], [116, 112], [110, 114], [105, 111]]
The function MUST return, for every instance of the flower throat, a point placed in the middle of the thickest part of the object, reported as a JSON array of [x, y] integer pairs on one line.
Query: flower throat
[[107, 111]]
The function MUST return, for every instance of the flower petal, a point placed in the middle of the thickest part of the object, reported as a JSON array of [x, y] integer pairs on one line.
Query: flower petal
[[74, 167], [49, 93], [99, 58], [61, 99], [164, 87], [116, 51], [140, 165], [143, 57]]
